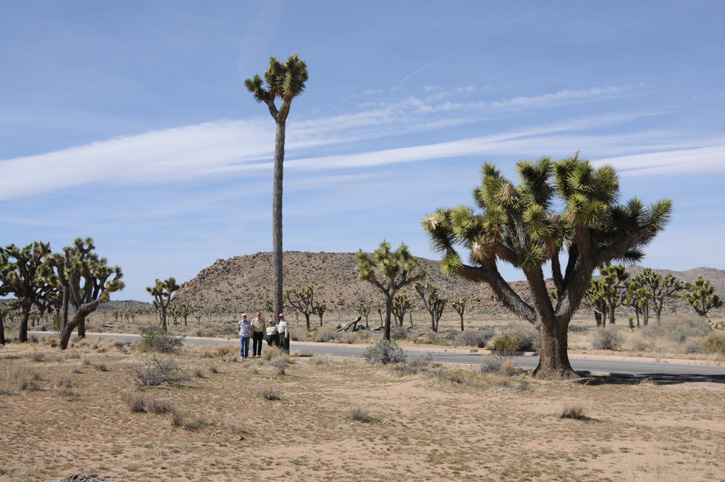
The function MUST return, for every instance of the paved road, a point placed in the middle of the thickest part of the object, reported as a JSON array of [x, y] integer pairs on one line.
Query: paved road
[[605, 364]]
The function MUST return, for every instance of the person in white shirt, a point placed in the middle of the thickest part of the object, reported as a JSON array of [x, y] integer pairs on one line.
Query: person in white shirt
[[272, 339], [283, 333]]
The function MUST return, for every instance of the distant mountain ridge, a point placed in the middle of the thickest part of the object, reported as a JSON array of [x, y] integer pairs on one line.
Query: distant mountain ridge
[[242, 283]]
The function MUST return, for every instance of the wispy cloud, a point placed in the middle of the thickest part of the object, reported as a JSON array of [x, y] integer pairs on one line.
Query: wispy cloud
[[232, 146]]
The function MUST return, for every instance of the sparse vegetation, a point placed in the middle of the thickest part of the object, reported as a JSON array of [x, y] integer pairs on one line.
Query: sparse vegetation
[[574, 412], [384, 353], [608, 338]]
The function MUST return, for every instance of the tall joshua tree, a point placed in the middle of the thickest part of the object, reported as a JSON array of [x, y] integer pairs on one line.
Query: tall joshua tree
[[389, 271], [519, 225], [701, 296], [285, 81]]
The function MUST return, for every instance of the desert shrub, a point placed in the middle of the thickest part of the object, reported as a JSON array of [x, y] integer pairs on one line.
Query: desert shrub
[[350, 337], [325, 334], [224, 351], [384, 353], [274, 353], [454, 376], [158, 372], [574, 412], [678, 329], [64, 387], [359, 414], [417, 365], [23, 377], [499, 365], [506, 344], [477, 338], [398, 333], [527, 333], [180, 419], [508, 368], [268, 393], [298, 333], [154, 339], [607, 338], [636, 342], [138, 402], [714, 343]]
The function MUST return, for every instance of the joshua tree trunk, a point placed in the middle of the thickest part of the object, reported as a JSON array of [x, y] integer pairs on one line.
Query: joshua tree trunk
[[2, 329], [278, 275], [388, 311], [23, 331], [78, 320], [553, 355]]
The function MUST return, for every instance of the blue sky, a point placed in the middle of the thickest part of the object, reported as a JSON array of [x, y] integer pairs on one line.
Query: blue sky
[[128, 121]]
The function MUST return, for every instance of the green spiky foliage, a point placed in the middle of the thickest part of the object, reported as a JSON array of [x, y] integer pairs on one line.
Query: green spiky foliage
[[320, 309], [460, 306], [281, 81], [432, 301], [596, 300], [660, 288], [162, 293], [364, 308], [606, 294], [389, 271], [183, 310], [401, 306], [701, 296], [90, 281], [565, 210], [302, 300], [24, 274], [639, 297]]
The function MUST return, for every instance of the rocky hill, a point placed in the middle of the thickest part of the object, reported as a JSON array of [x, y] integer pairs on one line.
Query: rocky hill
[[243, 283]]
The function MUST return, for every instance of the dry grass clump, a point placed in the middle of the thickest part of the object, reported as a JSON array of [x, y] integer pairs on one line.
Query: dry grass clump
[[268, 393], [574, 412], [138, 402], [421, 364], [159, 371], [224, 351], [475, 338], [64, 387], [714, 343], [23, 378], [274, 353], [499, 365], [179, 419], [608, 338], [359, 414]]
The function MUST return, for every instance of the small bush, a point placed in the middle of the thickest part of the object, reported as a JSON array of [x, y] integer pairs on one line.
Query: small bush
[[274, 353], [326, 334], [359, 414], [384, 353], [38, 356], [180, 419], [574, 412], [477, 338], [500, 365], [24, 378], [417, 365], [138, 402], [224, 351], [527, 333], [159, 372], [679, 329], [607, 339], [714, 343], [398, 333], [268, 393], [506, 344], [154, 339]]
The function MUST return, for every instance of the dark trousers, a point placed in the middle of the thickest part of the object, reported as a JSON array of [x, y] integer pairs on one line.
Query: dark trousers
[[257, 337], [272, 340]]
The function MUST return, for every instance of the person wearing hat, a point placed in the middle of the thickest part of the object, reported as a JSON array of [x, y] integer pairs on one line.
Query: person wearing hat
[[272, 339], [245, 331], [257, 335], [283, 333]]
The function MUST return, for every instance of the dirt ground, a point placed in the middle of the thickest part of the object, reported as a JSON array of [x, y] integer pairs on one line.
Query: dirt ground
[[442, 423]]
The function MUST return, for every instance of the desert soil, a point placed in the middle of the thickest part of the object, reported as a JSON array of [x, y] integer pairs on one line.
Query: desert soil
[[442, 424]]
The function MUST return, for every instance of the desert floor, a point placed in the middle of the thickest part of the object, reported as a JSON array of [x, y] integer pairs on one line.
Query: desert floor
[[341, 419]]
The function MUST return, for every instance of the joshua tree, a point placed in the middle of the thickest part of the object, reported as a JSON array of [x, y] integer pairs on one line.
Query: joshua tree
[[432, 302], [460, 306], [606, 294], [401, 305], [183, 310], [320, 309], [701, 296], [284, 81], [24, 274], [162, 292], [302, 300], [363, 308], [519, 225], [389, 271], [639, 297], [661, 287], [89, 280]]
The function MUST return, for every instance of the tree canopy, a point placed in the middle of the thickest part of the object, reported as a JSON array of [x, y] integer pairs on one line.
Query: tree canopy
[[561, 209]]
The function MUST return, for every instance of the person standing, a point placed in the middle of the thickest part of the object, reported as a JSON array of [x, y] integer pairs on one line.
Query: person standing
[[283, 333], [245, 331], [272, 339], [257, 335]]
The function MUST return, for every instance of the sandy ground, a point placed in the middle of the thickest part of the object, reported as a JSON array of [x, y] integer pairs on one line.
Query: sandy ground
[[441, 424]]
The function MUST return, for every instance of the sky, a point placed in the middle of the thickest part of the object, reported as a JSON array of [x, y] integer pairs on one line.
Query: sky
[[128, 120]]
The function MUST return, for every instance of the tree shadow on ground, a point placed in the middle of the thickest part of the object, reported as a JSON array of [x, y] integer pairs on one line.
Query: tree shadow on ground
[[654, 378]]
